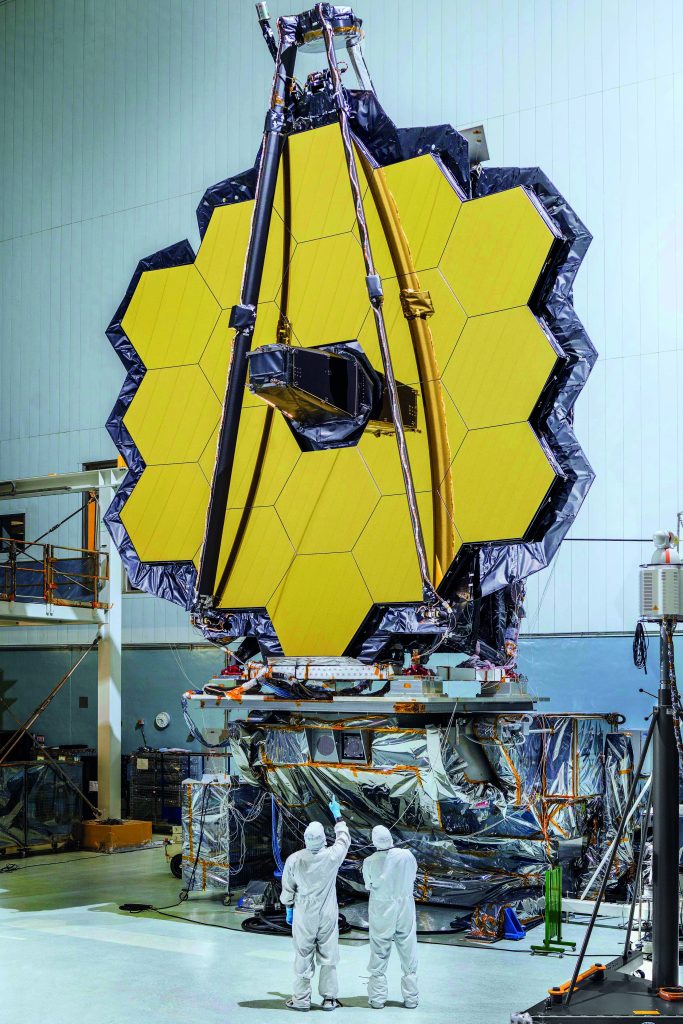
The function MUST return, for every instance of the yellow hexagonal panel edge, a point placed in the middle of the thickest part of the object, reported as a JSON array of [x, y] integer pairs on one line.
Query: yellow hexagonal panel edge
[[261, 558], [320, 604], [165, 512], [280, 454], [321, 203], [221, 255], [170, 316], [327, 500], [398, 335], [497, 250], [449, 319], [385, 551], [428, 202], [216, 356], [501, 476], [173, 414], [445, 327], [380, 453], [328, 299], [499, 367]]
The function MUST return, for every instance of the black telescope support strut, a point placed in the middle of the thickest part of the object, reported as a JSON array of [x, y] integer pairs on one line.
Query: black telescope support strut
[[243, 318]]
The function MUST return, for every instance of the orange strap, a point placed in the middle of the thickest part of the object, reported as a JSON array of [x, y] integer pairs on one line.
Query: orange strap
[[560, 990], [672, 995]]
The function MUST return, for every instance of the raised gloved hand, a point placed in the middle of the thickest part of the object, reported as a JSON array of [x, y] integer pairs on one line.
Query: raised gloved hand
[[289, 914], [335, 807]]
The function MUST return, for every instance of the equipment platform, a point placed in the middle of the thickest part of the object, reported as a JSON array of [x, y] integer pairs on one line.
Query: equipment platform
[[609, 997], [368, 705]]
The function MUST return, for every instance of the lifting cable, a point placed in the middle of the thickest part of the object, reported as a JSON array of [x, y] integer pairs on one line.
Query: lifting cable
[[32, 718], [375, 294], [66, 519], [23, 730]]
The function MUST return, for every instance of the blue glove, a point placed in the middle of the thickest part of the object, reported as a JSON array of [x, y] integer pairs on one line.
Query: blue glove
[[335, 807], [289, 914]]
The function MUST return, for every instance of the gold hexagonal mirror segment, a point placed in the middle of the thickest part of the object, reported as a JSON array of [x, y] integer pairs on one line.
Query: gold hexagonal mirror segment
[[427, 202], [500, 365], [385, 551], [165, 512], [320, 196], [500, 477], [220, 259], [497, 250], [170, 316], [265, 455], [174, 409], [255, 555], [327, 501], [320, 604], [328, 299]]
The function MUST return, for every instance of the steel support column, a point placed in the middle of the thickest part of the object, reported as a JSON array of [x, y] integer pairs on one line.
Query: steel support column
[[665, 833], [109, 684]]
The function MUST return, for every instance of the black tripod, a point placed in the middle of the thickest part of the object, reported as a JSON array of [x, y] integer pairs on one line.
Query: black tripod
[[609, 992]]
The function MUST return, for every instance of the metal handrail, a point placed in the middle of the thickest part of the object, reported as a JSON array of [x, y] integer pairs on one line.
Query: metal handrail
[[43, 561]]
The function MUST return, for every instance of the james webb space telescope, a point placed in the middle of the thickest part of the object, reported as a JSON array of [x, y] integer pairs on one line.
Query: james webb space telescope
[[402, 455], [347, 422]]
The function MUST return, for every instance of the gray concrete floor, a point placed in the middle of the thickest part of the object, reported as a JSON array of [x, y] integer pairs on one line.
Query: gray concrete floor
[[67, 954]]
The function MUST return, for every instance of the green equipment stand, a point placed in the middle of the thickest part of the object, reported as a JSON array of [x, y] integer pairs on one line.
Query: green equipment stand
[[553, 943]]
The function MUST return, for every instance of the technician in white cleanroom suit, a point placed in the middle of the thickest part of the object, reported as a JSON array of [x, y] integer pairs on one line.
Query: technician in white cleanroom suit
[[309, 892], [389, 874]]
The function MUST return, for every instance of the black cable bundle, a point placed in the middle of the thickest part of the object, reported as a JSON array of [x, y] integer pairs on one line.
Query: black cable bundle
[[183, 895], [640, 645], [275, 924]]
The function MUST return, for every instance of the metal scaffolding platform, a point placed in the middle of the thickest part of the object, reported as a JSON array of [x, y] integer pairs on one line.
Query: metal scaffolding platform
[[100, 608]]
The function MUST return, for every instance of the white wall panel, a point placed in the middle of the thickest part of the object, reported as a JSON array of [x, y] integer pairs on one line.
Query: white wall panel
[[114, 117]]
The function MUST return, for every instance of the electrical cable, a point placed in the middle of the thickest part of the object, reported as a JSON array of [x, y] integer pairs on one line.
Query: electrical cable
[[274, 837], [353, 928], [176, 657], [344, 929], [237, 822], [640, 645], [194, 730], [275, 924], [376, 300], [202, 820], [141, 908], [6, 868]]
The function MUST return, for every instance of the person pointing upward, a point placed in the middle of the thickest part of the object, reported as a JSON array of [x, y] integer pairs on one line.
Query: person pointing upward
[[309, 892]]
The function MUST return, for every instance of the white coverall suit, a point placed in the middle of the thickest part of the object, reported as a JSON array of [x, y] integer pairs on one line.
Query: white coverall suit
[[389, 874], [309, 883]]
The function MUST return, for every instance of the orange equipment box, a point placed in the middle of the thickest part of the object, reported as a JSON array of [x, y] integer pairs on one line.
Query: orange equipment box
[[106, 838]]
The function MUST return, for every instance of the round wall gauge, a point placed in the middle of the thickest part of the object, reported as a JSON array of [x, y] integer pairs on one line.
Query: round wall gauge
[[162, 720]]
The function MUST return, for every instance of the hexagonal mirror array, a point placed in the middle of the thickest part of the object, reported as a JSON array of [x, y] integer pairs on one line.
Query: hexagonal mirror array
[[318, 538]]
